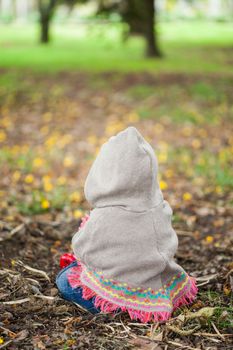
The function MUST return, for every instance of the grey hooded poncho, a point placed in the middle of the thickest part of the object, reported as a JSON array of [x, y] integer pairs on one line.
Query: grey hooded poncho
[[127, 245]]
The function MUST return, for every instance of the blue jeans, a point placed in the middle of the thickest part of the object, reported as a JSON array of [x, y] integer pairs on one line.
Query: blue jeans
[[74, 294]]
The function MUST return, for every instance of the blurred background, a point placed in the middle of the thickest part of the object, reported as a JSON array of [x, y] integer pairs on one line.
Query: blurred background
[[73, 73]]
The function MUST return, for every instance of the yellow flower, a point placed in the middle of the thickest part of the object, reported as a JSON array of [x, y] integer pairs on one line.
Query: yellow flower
[[92, 139], [68, 161], [224, 155], [47, 116], [44, 130], [6, 122], [187, 131], [78, 214], [187, 196], [202, 132], [158, 128], [196, 144], [16, 176], [189, 172], [162, 157], [29, 179], [97, 150], [163, 185], [24, 148], [45, 204], [75, 197], [2, 136], [15, 149], [46, 178], [185, 158], [169, 173], [52, 140], [38, 162], [114, 127], [65, 140], [48, 186], [4, 204], [163, 146], [209, 239], [103, 140], [61, 180], [1, 340], [132, 117], [201, 161], [199, 181], [218, 190]]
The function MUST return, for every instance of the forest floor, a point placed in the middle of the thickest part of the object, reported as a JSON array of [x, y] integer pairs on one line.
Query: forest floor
[[51, 128]]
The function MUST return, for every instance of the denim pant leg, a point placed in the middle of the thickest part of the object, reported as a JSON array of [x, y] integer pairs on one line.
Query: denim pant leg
[[73, 294]]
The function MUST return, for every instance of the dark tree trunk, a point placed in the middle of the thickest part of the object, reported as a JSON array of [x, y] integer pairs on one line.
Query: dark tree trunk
[[46, 9], [44, 31], [140, 15], [152, 48]]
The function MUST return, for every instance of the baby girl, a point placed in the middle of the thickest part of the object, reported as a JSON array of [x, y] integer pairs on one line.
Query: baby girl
[[124, 250]]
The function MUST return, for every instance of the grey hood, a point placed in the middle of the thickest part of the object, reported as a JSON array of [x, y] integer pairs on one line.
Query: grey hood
[[128, 243], [129, 235], [124, 174]]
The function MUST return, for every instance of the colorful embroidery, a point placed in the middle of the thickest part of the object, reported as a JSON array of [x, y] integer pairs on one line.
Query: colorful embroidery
[[142, 304]]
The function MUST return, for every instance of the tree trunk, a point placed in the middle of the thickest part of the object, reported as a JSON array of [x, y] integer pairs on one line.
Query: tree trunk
[[152, 48], [46, 9], [141, 16], [44, 30]]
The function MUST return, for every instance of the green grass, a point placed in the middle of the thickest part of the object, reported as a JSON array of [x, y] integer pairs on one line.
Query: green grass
[[209, 99], [188, 47]]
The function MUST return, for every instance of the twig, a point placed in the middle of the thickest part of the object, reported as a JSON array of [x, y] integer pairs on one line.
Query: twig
[[205, 279], [184, 233], [33, 270], [14, 302], [42, 296], [138, 324], [5, 225], [213, 335], [217, 331], [126, 328], [182, 346], [9, 272], [229, 273], [12, 232], [111, 328], [82, 308], [70, 320], [8, 331], [5, 344], [33, 281]]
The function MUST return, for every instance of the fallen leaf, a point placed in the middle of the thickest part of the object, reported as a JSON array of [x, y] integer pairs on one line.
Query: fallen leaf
[[205, 312]]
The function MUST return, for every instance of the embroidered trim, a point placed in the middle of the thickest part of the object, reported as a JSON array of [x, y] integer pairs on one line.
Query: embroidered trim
[[143, 304]]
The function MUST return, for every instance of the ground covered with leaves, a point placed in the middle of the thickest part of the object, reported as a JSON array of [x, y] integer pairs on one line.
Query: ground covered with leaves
[[51, 128]]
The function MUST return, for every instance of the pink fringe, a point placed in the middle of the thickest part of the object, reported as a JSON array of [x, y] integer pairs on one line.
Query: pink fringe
[[143, 316], [188, 297]]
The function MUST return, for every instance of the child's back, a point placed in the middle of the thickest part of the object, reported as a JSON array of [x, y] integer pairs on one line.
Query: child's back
[[126, 248]]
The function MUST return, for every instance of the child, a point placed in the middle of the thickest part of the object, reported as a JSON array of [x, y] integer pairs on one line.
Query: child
[[124, 250]]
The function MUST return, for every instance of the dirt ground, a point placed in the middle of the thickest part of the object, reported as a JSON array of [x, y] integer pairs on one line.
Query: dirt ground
[[53, 129]]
